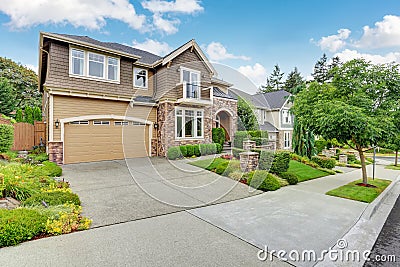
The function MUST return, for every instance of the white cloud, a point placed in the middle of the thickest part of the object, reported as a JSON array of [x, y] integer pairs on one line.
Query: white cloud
[[386, 33], [348, 54], [256, 73], [334, 42], [216, 51], [32, 67], [91, 14], [165, 25], [178, 6], [153, 46]]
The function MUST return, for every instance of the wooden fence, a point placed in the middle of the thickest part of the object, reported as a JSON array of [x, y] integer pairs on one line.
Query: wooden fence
[[27, 135]]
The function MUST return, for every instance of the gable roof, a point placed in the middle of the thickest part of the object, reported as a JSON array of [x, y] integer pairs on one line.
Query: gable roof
[[219, 93], [267, 126], [193, 45], [272, 100], [142, 56]]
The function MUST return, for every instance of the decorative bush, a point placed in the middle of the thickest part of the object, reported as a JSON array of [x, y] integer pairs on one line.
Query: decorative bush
[[218, 136], [236, 175], [351, 158], [219, 148], [281, 162], [52, 198], [265, 160], [190, 150], [222, 167], [260, 141], [290, 177], [19, 225], [6, 137], [173, 153], [263, 180], [320, 145], [237, 151], [240, 136], [211, 149], [183, 150], [324, 162], [258, 134], [196, 149], [51, 169], [233, 166]]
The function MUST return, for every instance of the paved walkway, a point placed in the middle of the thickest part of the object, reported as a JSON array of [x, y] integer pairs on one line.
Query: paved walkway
[[226, 234]]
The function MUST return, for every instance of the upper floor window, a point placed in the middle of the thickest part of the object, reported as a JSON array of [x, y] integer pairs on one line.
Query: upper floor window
[[191, 80], [93, 65], [140, 78], [286, 117]]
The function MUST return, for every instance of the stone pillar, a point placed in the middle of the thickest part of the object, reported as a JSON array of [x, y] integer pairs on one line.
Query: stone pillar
[[343, 159], [248, 161], [249, 145], [56, 152]]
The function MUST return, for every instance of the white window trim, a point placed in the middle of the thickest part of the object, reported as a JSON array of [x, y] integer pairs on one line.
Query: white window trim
[[79, 123], [284, 139], [289, 116], [86, 67], [181, 79], [121, 123], [147, 79], [195, 124], [101, 123]]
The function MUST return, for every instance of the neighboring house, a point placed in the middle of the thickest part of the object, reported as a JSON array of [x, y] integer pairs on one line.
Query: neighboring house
[[273, 115], [105, 101]]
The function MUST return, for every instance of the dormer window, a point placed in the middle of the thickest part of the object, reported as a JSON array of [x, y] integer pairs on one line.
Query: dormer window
[[140, 78], [89, 65]]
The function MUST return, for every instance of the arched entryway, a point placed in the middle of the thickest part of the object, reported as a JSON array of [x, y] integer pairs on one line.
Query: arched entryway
[[223, 119]]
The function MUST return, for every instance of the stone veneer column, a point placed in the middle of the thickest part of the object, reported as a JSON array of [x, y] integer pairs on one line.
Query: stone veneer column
[[248, 161], [56, 152]]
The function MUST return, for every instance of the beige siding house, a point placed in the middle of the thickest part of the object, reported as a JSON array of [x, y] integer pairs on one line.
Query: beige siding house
[[105, 101]]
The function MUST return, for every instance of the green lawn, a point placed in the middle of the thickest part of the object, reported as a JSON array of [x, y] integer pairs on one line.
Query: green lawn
[[305, 172], [360, 193], [392, 167], [208, 164]]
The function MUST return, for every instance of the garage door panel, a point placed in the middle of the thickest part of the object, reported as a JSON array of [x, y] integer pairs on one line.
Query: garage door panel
[[86, 143]]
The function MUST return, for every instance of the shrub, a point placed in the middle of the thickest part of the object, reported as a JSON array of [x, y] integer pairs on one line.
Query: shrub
[[218, 148], [260, 141], [218, 136], [236, 175], [237, 151], [324, 162], [351, 158], [290, 177], [173, 153], [6, 137], [38, 158], [258, 134], [51, 169], [320, 145], [281, 162], [190, 150], [240, 136], [263, 180], [52, 198], [196, 149], [222, 167], [265, 160], [211, 149], [183, 151], [19, 225], [233, 166], [203, 149]]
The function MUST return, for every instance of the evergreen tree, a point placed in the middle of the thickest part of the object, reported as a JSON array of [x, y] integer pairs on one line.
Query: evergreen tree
[[19, 116], [321, 69], [37, 114], [294, 82], [29, 115], [247, 120], [303, 140], [274, 81], [6, 97]]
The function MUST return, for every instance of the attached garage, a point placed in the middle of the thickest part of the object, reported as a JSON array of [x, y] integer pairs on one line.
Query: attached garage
[[87, 140]]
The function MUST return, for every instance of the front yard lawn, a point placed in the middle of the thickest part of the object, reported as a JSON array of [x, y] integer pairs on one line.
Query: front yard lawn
[[208, 164], [360, 193], [305, 172], [392, 167]]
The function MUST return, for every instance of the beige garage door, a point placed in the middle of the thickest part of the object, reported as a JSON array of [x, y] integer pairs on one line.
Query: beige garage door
[[87, 141]]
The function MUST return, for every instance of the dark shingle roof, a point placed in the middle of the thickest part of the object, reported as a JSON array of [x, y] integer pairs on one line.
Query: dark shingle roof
[[268, 127], [145, 57], [219, 93], [273, 100], [145, 99]]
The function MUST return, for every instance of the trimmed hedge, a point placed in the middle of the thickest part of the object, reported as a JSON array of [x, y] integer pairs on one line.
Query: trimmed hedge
[[277, 162], [218, 136], [237, 151], [19, 225], [260, 141], [291, 178], [176, 152], [263, 180], [324, 162], [6, 137], [261, 137], [240, 136], [52, 199]]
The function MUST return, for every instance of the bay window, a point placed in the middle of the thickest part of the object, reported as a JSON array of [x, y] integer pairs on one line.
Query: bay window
[[189, 123]]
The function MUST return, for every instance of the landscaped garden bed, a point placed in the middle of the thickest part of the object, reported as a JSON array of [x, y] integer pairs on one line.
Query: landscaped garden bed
[[356, 191], [43, 205]]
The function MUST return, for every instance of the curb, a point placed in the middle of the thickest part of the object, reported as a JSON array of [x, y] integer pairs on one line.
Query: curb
[[374, 205]]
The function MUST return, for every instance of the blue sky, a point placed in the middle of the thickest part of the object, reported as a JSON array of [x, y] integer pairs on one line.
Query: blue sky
[[249, 36]]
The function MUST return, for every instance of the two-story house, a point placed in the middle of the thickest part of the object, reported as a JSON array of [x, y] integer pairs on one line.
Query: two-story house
[[272, 111], [105, 101]]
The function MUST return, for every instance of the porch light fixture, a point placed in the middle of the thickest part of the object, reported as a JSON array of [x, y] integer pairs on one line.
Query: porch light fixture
[[57, 123], [155, 125]]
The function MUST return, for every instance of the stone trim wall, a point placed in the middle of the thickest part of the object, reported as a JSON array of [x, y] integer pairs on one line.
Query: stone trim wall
[[56, 152], [153, 147], [227, 104]]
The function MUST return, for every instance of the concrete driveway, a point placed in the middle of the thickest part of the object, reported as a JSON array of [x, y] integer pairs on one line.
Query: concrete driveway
[[126, 190]]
